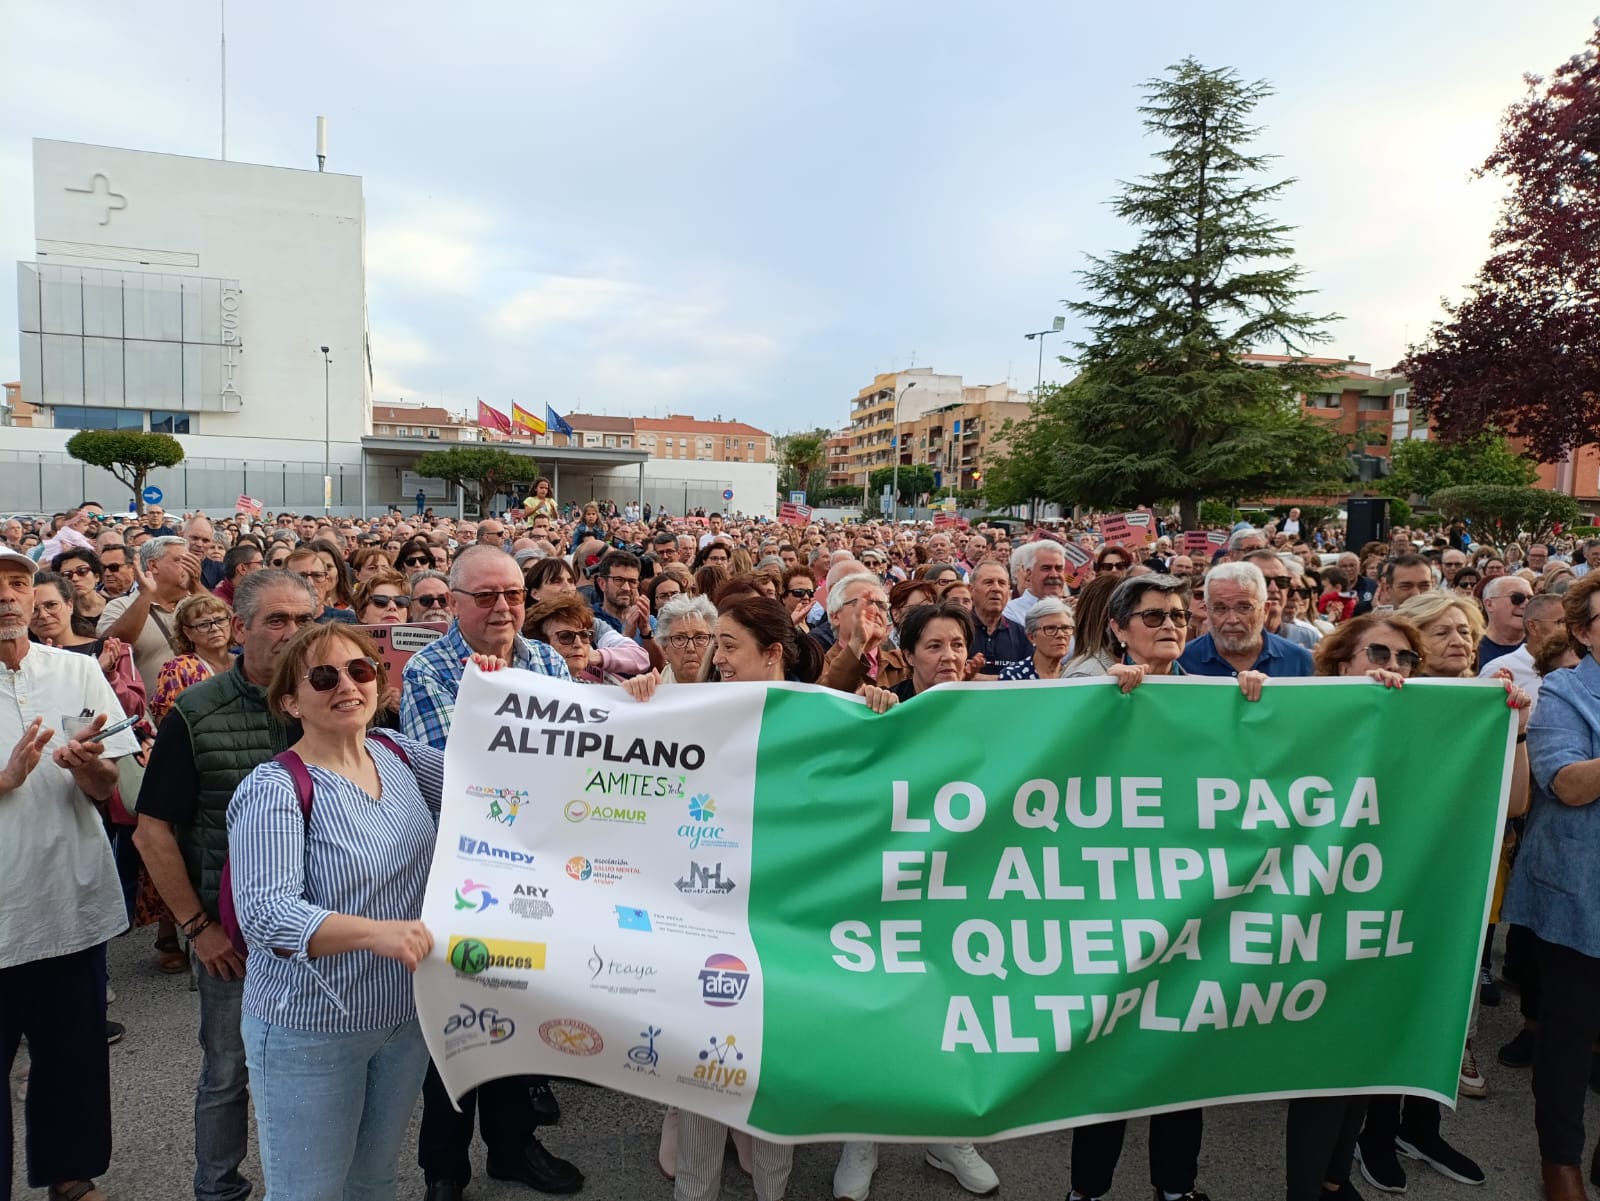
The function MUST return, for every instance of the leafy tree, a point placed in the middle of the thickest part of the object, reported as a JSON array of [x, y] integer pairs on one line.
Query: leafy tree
[[1522, 351], [130, 455], [1423, 468], [1163, 408], [914, 481], [1500, 512], [485, 470], [847, 495]]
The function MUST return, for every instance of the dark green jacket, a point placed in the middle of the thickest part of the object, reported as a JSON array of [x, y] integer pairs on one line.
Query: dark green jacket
[[231, 733]]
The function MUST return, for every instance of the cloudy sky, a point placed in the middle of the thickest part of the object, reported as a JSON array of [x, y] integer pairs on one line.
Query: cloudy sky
[[749, 208]]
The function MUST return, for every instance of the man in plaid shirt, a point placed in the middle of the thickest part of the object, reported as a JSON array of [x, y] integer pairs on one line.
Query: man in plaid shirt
[[487, 594]]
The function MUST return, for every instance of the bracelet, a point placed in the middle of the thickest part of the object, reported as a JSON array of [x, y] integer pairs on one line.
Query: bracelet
[[200, 914], [204, 925], [1522, 737]]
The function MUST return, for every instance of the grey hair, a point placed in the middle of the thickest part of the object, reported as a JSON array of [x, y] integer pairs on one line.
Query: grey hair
[[156, 547], [836, 590], [1239, 536], [471, 554], [430, 574], [1247, 574], [1022, 559], [770, 561], [1125, 596], [680, 607], [1050, 606], [247, 590]]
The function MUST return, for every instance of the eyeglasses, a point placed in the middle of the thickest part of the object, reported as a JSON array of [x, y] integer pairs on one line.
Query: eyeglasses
[[1056, 631], [1379, 656], [325, 676], [663, 595], [486, 599], [437, 601], [682, 642], [210, 625], [802, 593], [572, 637], [1154, 619], [1243, 609], [77, 573], [417, 561], [882, 606], [628, 581], [390, 602], [316, 577]]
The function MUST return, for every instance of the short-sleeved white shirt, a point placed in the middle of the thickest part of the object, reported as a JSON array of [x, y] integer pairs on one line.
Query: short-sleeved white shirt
[[61, 893]]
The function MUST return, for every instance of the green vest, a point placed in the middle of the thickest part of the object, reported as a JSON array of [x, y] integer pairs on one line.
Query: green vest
[[231, 733]]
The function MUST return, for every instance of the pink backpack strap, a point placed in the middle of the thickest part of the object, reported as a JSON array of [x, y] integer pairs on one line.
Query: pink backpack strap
[[387, 739], [298, 772]]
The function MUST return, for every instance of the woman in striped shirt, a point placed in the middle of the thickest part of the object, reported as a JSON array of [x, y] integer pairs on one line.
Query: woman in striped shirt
[[328, 903]]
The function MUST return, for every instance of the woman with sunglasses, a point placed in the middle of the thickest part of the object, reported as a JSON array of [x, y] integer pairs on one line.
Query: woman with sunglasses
[[1050, 627], [382, 599], [567, 624], [416, 555], [799, 596], [1112, 560], [329, 902], [1449, 626], [1147, 627], [552, 579]]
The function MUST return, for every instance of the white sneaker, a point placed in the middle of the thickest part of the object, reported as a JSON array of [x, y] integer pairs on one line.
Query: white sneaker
[[963, 1162], [852, 1179], [1472, 1082]]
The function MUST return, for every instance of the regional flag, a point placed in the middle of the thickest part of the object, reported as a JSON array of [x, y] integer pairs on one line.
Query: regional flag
[[492, 419], [521, 416]]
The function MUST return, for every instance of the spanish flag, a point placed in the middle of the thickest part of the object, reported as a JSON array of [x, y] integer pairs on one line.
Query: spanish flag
[[528, 421]]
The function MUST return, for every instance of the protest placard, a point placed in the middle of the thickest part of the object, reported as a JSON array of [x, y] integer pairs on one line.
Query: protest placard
[[790, 513], [732, 898], [398, 641]]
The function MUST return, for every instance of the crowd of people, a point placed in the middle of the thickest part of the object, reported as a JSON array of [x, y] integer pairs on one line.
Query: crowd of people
[[270, 814]]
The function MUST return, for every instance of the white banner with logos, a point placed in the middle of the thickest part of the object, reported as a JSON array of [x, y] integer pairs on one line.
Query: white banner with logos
[[588, 891]]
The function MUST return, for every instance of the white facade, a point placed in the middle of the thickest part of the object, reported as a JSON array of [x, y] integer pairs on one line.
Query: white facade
[[198, 290]]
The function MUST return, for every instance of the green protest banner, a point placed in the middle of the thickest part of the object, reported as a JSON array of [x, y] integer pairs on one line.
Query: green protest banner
[[994, 910]]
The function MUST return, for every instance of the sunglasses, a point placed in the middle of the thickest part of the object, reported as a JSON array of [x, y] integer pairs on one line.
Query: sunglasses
[[486, 599], [390, 602], [802, 593], [417, 561], [1516, 598], [77, 573], [1154, 619], [571, 637], [325, 676], [431, 602], [1379, 656], [276, 562]]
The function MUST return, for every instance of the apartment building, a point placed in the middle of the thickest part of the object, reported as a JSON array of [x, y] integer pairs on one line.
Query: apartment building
[[593, 429], [420, 421], [679, 437], [957, 440]]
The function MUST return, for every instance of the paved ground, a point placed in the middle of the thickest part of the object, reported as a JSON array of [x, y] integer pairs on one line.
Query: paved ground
[[613, 1137]]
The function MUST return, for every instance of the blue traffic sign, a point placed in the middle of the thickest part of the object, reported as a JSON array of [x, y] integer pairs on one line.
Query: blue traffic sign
[[727, 494], [152, 495]]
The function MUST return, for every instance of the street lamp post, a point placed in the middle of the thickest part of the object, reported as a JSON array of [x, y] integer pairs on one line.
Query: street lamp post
[[894, 442], [327, 469], [1056, 327]]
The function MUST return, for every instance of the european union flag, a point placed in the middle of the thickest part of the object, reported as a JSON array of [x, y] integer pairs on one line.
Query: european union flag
[[633, 919], [555, 422]]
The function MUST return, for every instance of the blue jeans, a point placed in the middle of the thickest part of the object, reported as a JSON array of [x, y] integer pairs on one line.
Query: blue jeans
[[222, 1098], [331, 1109]]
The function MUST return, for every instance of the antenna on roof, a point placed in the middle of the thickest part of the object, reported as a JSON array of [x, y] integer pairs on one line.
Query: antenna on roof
[[222, 21], [322, 142]]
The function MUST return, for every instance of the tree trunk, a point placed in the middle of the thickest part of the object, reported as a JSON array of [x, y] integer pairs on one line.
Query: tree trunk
[[1189, 513]]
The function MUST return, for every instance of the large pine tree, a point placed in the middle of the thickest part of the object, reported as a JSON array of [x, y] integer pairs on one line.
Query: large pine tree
[[1163, 408]]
